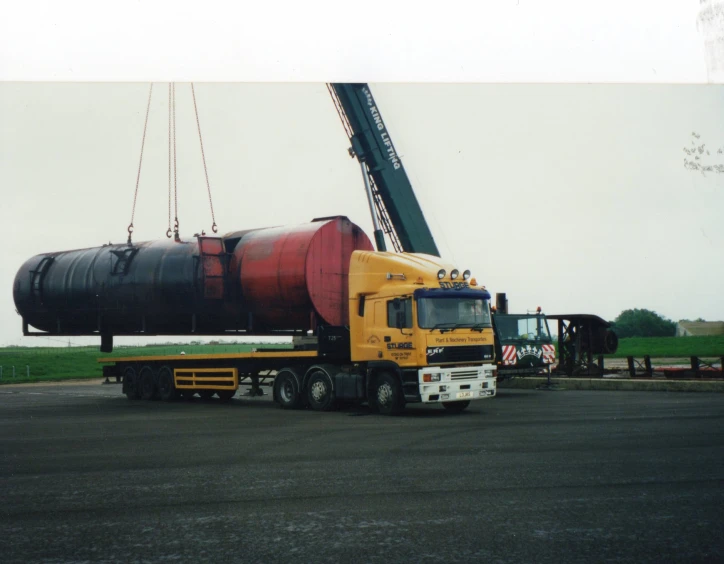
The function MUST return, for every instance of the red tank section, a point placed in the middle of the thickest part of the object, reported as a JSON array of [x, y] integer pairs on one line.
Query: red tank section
[[287, 274]]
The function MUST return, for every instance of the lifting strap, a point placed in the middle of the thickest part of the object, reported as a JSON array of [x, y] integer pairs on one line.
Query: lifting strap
[[140, 162]]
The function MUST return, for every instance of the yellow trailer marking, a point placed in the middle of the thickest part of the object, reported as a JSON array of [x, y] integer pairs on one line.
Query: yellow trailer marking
[[206, 378]]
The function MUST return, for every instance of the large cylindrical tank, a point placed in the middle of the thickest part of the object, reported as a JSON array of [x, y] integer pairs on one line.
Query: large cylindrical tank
[[261, 280]]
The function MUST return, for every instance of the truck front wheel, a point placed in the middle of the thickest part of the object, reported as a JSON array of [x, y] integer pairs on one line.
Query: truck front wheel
[[456, 406], [388, 394]]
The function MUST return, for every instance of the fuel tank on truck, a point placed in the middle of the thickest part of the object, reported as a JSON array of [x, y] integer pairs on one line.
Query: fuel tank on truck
[[280, 279]]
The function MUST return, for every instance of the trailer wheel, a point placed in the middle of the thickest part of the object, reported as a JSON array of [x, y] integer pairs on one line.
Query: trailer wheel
[[147, 386], [130, 383], [225, 395], [320, 392], [456, 406], [388, 394], [286, 390], [166, 388]]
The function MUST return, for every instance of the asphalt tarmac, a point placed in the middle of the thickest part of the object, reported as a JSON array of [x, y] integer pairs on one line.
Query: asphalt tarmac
[[529, 476]]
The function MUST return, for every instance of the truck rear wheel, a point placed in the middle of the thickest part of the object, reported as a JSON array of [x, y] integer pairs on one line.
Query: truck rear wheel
[[147, 385], [320, 392], [287, 390], [130, 383], [166, 387], [388, 394], [456, 406]]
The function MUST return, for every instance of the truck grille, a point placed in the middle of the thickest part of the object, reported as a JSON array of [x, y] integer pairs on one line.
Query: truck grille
[[459, 354], [466, 375]]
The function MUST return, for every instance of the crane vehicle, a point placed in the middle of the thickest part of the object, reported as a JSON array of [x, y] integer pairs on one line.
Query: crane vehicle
[[523, 344], [523, 341], [386, 328]]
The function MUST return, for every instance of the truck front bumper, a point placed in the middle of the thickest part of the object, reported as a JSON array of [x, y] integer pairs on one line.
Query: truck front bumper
[[438, 384]]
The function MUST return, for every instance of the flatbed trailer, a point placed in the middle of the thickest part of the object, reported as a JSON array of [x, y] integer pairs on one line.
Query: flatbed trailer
[[298, 378], [206, 374]]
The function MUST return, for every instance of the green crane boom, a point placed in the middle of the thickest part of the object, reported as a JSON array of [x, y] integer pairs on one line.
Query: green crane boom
[[395, 209]]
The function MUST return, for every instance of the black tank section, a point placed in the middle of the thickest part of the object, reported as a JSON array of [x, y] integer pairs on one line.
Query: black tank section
[[153, 287]]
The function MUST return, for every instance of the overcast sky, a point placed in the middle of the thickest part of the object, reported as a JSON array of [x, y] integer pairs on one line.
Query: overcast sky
[[569, 196]]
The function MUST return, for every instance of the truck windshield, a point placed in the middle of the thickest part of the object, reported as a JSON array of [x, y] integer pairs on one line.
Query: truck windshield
[[453, 312], [527, 328]]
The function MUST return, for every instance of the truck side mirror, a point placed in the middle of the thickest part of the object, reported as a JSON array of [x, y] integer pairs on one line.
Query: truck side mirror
[[400, 319]]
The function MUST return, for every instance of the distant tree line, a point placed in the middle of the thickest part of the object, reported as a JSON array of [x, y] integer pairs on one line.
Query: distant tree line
[[643, 323], [698, 158]]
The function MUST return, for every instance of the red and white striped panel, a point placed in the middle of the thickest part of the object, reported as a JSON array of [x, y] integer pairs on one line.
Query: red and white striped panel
[[509, 355], [549, 354]]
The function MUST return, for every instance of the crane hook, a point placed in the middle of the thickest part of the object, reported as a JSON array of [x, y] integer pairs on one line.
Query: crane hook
[[214, 228], [130, 231]]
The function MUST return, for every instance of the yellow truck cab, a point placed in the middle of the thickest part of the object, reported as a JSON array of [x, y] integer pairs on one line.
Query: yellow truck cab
[[417, 319]]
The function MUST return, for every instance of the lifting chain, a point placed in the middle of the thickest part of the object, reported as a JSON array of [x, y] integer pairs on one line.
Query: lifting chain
[[168, 231], [172, 168], [172, 135], [203, 157], [140, 162]]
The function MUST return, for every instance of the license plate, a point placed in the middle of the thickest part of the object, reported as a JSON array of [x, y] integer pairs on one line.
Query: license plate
[[461, 395]]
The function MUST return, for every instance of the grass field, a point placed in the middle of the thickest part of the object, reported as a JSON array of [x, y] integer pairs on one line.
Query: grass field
[[35, 364], [671, 347]]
